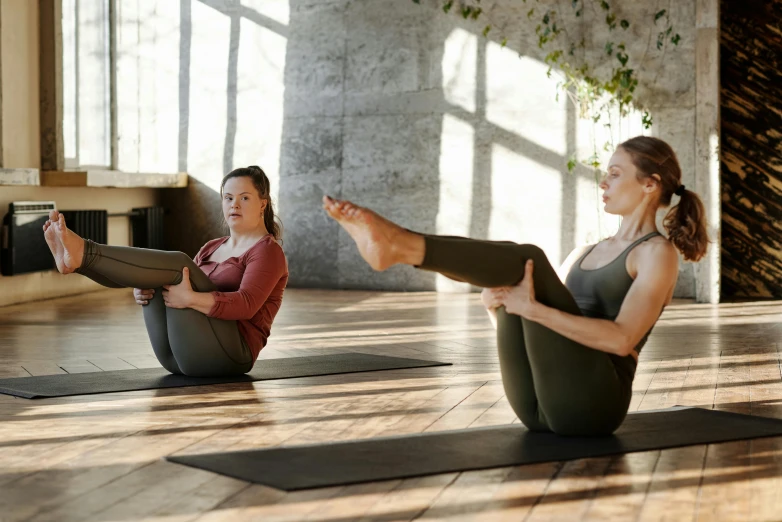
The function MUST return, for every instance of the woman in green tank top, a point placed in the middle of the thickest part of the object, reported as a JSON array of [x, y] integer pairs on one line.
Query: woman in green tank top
[[568, 347]]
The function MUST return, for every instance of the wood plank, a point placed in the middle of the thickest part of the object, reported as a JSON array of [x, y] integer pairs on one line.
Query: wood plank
[[108, 364], [79, 367], [42, 368], [141, 361]]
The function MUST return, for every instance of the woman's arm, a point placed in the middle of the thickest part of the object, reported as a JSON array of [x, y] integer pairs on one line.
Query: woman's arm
[[657, 272], [266, 265]]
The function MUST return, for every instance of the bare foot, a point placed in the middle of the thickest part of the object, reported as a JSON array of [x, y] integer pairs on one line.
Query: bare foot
[[380, 242], [72, 245], [54, 244]]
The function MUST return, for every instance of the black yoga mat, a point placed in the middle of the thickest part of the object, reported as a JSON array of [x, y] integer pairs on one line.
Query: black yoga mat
[[319, 465], [146, 379]]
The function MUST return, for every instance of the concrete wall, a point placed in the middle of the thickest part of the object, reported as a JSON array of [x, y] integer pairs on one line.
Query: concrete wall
[[21, 148], [396, 106]]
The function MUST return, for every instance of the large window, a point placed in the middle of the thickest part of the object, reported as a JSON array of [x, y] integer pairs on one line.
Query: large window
[[86, 67]]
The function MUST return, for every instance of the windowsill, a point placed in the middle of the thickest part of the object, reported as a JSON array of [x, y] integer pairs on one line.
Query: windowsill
[[111, 178], [91, 178], [20, 177]]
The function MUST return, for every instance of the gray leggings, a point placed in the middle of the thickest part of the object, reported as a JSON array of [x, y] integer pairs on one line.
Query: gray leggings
[[552, 383], [185, 341]]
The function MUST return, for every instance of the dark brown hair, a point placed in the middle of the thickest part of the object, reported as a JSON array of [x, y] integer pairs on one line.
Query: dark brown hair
[[686, 222], [262, 185]]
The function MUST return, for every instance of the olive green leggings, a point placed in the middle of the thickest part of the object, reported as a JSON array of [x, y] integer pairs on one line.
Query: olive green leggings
[[552, 383], [185, 341]]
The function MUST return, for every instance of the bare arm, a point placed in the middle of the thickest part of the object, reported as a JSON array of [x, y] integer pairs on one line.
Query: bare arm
[[649, 293]]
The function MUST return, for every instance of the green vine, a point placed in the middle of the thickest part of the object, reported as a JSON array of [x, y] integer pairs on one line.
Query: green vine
[[593, 92]]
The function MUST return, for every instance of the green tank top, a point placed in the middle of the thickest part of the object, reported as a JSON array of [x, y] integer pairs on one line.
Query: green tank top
[[600, 292]]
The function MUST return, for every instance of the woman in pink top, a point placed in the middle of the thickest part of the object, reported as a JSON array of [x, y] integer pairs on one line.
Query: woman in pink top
[[205, 317]]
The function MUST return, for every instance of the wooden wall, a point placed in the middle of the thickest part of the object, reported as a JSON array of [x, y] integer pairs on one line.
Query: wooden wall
[[751, 148]]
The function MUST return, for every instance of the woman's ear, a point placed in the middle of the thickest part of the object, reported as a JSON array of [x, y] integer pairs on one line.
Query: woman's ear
[[652, 183]]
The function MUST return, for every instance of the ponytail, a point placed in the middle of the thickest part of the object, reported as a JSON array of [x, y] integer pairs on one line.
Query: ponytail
[[686, 226], [273, 225], [263, 186]]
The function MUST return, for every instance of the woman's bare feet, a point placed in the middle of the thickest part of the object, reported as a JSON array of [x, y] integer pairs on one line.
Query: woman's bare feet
[[69, 249], [54, 244], [380, 242]]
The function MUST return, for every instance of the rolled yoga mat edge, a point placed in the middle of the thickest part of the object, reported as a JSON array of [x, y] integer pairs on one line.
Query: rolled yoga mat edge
[[63, 385], [399, 457]]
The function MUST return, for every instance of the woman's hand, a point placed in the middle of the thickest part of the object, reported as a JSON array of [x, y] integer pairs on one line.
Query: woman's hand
[[492, 297], [181, 295], [520, 299], [143, 296]]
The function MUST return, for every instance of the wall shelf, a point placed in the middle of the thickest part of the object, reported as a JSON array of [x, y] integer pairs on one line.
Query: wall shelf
[[112, 178], [20, 177], [90, 178]]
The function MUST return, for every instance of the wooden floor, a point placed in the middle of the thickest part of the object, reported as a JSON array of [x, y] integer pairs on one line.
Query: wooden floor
[[99, 457]]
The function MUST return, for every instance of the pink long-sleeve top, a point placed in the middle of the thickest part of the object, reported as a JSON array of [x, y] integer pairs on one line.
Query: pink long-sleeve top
[[249, 287]]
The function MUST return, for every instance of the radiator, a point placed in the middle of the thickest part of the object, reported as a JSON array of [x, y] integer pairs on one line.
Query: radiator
[[146, 225], [89, 224], [24, 248]]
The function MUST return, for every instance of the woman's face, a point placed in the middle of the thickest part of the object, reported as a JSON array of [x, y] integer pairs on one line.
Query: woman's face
[[242, 206], [622, 191]]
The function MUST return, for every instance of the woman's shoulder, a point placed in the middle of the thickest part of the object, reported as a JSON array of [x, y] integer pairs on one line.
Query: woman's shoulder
[[266, 247], [658, 251]]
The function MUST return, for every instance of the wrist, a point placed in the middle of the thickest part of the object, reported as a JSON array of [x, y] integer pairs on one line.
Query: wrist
[[536, 312]]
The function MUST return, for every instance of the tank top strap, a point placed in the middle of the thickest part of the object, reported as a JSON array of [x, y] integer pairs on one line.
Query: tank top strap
[[639, 241]]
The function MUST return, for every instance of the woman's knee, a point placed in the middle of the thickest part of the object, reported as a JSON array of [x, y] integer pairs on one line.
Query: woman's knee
[[530, 251], [182, 259]]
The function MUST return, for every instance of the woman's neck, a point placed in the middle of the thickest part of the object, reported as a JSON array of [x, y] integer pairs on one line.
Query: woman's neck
[[248, 238], [637, 224]]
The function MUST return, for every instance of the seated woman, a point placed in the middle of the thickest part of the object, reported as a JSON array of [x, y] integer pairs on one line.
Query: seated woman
[[210, 316], [568, 351]]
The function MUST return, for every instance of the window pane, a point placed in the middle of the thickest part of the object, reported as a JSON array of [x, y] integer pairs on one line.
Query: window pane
[[86, 94], [70, 103], [148, 83]]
